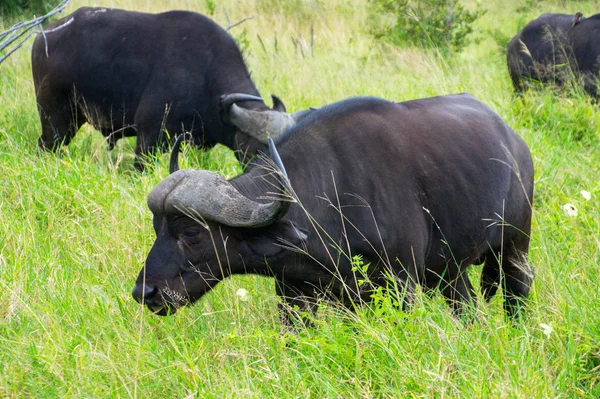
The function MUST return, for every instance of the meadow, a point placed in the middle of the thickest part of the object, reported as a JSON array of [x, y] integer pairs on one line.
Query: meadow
[[75, 231]]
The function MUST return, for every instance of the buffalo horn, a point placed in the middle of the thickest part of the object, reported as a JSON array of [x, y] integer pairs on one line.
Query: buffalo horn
[[261, 124], [278, 105], [174, 160], [276, 157], [208, 195], [229, 99]]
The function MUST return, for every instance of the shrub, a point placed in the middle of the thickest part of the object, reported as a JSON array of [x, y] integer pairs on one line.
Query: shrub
[[12, 8], [440, 23]]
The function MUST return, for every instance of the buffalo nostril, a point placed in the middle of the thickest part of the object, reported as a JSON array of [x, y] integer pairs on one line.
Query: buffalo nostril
[[143, 291]]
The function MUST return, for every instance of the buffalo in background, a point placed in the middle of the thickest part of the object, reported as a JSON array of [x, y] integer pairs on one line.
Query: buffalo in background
[[137, 74], [420, 189], [556, 48]]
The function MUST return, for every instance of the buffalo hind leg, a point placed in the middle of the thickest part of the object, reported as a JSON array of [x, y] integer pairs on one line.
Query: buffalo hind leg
[[510, 269], [518, 277]]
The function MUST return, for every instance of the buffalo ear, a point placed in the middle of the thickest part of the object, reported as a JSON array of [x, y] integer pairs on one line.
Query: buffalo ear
[[274, 240], [278, 105]]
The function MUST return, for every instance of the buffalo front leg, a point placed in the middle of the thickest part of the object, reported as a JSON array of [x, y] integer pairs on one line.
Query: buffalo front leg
[[408, 271], [297, 307], [150, 122], [458, 291], [145, 149]]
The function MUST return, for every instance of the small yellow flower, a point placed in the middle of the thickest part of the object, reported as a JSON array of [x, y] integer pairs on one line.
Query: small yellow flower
[[570, 210], [586, 194], [242, 294]]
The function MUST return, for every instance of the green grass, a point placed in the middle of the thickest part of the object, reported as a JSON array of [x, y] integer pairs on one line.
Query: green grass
[[75, 231]]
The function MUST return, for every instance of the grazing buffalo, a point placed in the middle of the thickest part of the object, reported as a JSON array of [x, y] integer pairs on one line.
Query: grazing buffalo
[[137, 74], [420, 189], [556, 48]]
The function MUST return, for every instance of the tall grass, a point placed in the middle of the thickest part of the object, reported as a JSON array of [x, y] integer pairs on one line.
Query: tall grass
[[74, 232]]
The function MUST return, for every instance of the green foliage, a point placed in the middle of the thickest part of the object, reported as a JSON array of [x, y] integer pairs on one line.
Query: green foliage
[[243, 43], [443, 24], [14, 8], [211, 6], [360, 269], [301, 10], [553, 114]]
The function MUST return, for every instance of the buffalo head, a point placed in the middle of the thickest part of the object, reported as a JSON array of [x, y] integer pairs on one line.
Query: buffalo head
[[207, 230]]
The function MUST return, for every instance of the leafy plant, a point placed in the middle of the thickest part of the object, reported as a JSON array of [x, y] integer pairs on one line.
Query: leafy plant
[[440, 23], [243, 43], [11, 8], [211, 6]]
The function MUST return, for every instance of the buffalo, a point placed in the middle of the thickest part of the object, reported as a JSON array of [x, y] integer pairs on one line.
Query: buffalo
[[556, 48], [419, 190], [137, 74]]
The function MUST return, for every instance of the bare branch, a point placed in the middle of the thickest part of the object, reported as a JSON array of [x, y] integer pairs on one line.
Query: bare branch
[[229, 26], [262, 44], [26, 28], [227, 16], [312, 40]]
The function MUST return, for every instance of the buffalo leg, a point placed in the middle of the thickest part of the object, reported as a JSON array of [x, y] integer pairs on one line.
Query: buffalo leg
[[150, 133], [458, 290], [490, 276], [60, 119], [518, 277], [509, 268], [145, 148], [297, 305], [409, 271]]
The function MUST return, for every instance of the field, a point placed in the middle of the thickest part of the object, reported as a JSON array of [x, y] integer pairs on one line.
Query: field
[[75, 231]]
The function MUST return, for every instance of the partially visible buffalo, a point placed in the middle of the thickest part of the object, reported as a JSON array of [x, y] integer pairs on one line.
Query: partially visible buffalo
[[420, 189], [136, 74], [556, 48]]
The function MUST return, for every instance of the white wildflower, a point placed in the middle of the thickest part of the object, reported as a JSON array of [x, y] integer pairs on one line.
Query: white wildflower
[[242, 294], [570, 210], [546, 329], [586, 194]]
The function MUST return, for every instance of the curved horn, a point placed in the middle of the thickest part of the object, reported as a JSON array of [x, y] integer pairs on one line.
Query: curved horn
[[278, 105], [206, 194], [174, 160], [229, 99], [276, 157], [261, 124]]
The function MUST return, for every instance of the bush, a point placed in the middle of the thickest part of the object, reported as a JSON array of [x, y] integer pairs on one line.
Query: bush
[[440, 23], [13, 8]]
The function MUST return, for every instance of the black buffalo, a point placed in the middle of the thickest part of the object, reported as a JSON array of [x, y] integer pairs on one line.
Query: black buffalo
[[137, 74], [556, 48], [420, 189]]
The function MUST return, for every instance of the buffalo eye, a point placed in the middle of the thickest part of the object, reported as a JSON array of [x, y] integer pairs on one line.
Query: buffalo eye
[[191, 233]]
